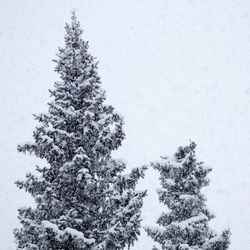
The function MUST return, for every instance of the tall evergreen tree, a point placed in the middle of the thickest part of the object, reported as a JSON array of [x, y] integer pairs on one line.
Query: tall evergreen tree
[[83, 200], [185, 225]]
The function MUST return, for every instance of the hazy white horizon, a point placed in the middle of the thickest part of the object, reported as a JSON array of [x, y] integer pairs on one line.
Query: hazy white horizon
[[176, 70]]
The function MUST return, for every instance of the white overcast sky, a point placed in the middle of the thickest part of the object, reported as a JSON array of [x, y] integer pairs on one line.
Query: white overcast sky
[[176, 70]]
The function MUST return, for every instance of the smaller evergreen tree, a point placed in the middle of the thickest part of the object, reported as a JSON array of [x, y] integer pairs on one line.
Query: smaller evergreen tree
[[185, 225]]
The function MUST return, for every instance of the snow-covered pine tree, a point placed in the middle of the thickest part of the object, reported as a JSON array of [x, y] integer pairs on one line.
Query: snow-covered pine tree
[[83, 199], [185, 225]]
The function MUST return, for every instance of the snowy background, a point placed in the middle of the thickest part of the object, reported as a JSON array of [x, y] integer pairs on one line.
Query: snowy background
[[176, 70]]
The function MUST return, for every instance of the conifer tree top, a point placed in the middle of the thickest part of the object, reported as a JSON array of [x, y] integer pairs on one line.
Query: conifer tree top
[[77, 109]]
